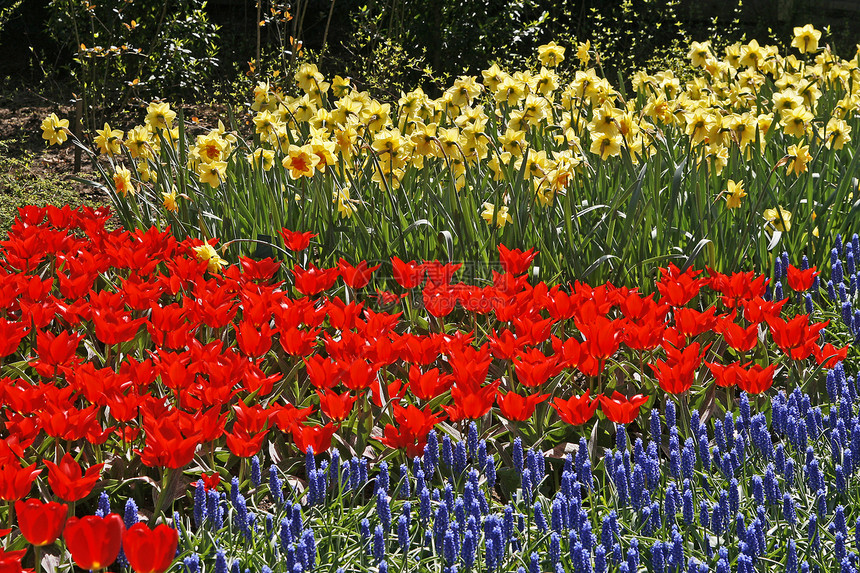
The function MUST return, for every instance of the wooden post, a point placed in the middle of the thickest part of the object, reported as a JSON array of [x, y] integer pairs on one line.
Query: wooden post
[[79, 116], [259, 33]]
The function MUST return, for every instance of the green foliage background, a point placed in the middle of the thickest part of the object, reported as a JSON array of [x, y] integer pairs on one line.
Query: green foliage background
[[198, 50]]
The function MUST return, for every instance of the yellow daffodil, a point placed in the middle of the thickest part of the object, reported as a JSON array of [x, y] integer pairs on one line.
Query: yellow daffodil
[[108, 140], [340, 86], [345, 205], [375, 116], [55, 130], [160, 116], [493, 76], [778, 218], [743, 128], [493, 217], [699, 53], [752, 55], [207, 252], [837, 133], [300, 161], [169, 200], [795, 120], [464, 90], [264, 158], [717, 156], [308, 75], [146, 174], [265, 123], [537, 165], [734, 194], [798, 158], [497, 165], [211, 147], [606, 145], [806, 39], [699, 123], [325, 152], [212, 173], [786, 99], [122, 181], [137, 141], [262, 99], [551, 54], [583, 52]]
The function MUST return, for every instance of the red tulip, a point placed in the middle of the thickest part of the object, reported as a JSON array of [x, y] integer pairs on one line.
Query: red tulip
[[318, 438], [336, 406], [166, 446], [620, 409], [408, 275], [469, 365], [15, 481], [210, 481], [298, 342], [67, 481], [829, 356], [11, 333], [439, 274], [691, 322], [726, 376], [41, 523], [410, 428], [10, 561], [645, 336], [796, 337], [757, 310], [296, 241], [799, 280], [576, 410], [439, 301], [94, 542], [757, 379], [737, 287], [534, 332], [471, 402], [150, 550], [355, 276], [55, 351], [242, 443], [252, 419], [602, 337], [314, 280], [505, 345], [736, 336], [518, 408], [569, 351], [515, 261], [287, 416], [532, 368], [253, 341], [262, 270], [679, 288], [677, 374], [428, 385], [115, 327]]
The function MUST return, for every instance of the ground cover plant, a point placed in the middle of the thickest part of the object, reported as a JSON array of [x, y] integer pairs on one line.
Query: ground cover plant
[[509, 413], [750, 156]]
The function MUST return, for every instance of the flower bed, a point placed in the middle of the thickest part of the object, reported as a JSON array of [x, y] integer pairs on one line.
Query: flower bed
[[753, 151], [154, 363]]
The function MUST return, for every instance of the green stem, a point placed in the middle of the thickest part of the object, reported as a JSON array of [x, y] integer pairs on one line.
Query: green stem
[[166, 479]]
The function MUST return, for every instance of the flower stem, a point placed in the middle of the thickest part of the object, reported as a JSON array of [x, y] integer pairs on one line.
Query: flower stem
[[166, 480]]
